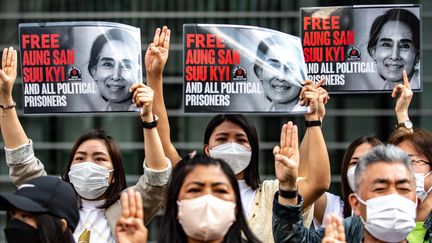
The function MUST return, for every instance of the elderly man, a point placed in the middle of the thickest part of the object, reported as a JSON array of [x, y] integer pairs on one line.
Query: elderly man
[[384, 203]]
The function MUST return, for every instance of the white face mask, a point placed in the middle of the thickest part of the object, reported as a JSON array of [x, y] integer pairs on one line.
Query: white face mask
[[237, 156], [389, 218], [350, 177], [206, 218], [420, 185], [89, 179]]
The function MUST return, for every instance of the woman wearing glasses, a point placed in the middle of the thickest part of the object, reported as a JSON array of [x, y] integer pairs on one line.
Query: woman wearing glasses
[[417, 144]]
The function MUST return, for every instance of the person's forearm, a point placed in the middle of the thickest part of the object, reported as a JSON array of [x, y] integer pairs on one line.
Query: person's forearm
[[304, 156], [401, 117], [12, 131], [154, 153], [304, 148], [159, 109], [318, 180], [288, 187], [319, 209], [288, 224]]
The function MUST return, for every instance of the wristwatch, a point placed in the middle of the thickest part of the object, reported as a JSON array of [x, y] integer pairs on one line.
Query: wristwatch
[[149, 125], [288, 194], [406, 124], [312, 123]]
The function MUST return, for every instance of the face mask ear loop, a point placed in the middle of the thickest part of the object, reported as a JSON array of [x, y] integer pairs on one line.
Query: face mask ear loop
[[364, 203], [112, 178], [430, 189], [418, 201], [361, 200]]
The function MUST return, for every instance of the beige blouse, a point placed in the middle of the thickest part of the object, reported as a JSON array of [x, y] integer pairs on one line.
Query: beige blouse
[[260, 215]]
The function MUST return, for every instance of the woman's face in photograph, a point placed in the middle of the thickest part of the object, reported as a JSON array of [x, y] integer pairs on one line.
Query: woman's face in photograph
[[394, 51], [116, 71], [280, 75]]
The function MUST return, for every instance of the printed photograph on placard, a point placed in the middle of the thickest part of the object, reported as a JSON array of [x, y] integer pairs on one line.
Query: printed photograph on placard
[[362, 49], [72, 67], [235, 68]]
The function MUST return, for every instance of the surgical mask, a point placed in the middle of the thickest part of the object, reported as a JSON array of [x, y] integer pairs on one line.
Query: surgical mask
[[237, 156], [207, 217], [89, 179], [420, 185], [350, 177], [17, 231], [389, 218]]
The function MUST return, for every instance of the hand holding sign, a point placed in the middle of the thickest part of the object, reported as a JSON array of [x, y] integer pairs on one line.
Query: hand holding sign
[[143, 97], [316, 97]]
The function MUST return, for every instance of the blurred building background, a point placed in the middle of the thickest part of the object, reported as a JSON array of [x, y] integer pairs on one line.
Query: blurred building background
[[348, 116]]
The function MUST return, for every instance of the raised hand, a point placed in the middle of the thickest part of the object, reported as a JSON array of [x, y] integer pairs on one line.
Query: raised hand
[[8, 74], [157, 52], [334, 231], [316, 97], [143, 97], [287, 157], [130, 227], [404, 95]]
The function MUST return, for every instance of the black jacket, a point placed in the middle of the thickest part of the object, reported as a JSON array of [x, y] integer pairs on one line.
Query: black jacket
[[288, 225]]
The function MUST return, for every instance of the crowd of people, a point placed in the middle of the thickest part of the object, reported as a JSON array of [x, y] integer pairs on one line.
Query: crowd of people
[[217, 195]]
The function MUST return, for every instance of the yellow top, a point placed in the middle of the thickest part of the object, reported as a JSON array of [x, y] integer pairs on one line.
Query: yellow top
[[260, 215]]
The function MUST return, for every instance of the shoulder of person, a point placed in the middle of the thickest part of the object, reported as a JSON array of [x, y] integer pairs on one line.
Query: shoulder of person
[[354, 228]]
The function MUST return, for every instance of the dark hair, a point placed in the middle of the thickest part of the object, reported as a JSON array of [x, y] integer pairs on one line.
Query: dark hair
[[50, 229], [171, 231], [421, 140], [397, 14], [101, 40], [252, 177], [387, 153], [345, 188], [113, 191]]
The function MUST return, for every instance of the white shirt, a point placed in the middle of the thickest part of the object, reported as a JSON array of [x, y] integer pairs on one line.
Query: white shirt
[[93, 225], [247, 195], [334, 205]]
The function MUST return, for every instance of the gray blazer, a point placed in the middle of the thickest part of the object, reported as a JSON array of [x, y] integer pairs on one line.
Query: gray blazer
[[23, 166]]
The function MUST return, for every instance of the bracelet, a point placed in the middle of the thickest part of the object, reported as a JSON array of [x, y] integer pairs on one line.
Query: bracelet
[[149, 125], [288, 194], [6, 107], [313, 123]]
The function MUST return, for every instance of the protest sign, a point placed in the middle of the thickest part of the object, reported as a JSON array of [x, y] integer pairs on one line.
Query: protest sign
[[233, 68], [362, 49], [78, 66]]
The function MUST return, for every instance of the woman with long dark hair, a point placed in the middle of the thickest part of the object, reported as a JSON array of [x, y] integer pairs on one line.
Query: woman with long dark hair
[[330, 203], [203, 204], [95, 166], [234, 138]]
